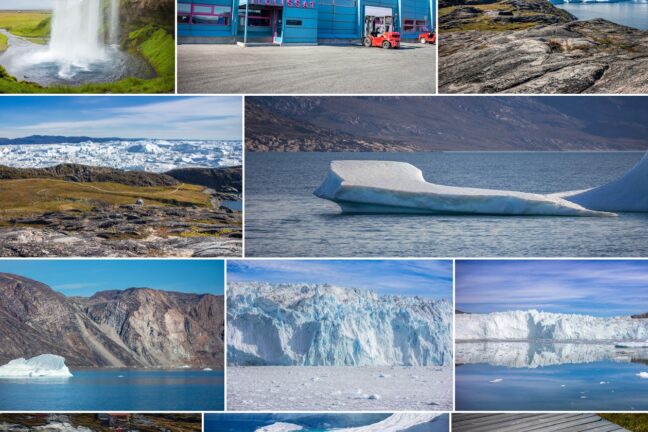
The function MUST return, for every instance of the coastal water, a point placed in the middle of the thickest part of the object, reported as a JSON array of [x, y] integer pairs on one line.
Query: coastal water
[[597, 386], [116, 390], [309, 422], [284, 218], [630, 13]]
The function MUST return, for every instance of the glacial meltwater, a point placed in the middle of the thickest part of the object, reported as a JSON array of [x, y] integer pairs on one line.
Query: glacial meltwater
[[522, 376], [630, 13], [116, 390], [284, 218], [79, 49]]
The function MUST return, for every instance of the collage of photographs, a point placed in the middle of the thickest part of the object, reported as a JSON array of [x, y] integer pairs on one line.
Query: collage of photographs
[[324, 215]]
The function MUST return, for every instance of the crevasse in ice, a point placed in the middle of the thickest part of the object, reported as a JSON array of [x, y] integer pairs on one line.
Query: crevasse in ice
[[324, 325]]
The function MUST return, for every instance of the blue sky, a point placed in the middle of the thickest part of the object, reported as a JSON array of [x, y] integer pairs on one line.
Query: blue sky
[[164, 117], [429, 278], [26, 4], [86, 277], [599, 288]]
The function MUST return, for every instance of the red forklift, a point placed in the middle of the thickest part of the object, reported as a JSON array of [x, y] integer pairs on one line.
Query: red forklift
[[427, 37], [379, 28]]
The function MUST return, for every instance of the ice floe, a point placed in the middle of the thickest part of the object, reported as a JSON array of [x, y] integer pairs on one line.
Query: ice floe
[[45, 365]]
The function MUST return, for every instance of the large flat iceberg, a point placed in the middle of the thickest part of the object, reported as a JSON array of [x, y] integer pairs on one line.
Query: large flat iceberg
[[45, 365], [399, 187], [536, 325]]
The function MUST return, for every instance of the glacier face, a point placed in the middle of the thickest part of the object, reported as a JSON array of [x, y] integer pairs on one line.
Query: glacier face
[[536, 325], [141, 155], [399, 187], [324, 325], [45, 365]]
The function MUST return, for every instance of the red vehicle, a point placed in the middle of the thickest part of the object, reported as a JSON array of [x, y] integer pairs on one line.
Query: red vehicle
[[427, 37], [378, 30]]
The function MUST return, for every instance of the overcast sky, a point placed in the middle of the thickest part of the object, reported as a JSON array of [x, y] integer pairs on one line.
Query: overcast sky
[[599, 288], [26, 4], [428, 278], [206, 118]]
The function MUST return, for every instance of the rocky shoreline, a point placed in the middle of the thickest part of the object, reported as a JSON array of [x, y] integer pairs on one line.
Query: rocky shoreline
[[530, 46]]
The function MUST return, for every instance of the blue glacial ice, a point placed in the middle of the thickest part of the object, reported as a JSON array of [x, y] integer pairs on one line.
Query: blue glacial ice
[[399, 187], [324, 325]]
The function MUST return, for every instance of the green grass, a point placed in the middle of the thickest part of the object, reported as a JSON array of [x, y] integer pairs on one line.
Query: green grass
[[27, 24], [31, 197], [154, 44], [632, 422], [3, 42]]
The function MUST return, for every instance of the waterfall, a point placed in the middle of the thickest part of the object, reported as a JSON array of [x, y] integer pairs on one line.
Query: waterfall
[[75, 40], [113, 36]]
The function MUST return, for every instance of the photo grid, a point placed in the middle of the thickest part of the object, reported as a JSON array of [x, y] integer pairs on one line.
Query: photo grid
[[323, 216]]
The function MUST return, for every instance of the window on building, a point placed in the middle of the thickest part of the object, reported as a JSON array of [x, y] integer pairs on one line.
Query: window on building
[[192, 13], [415, 26], [256, 17]]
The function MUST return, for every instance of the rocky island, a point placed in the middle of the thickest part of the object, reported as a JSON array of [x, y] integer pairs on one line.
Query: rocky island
[[531, 46]]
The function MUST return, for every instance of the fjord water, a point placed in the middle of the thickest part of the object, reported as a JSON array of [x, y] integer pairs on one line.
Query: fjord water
[[283, 218], [120, 390], [309, 422], [630, 13], [586, 384]]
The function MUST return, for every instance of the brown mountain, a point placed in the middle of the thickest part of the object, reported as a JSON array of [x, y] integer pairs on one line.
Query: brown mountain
[[446, 123], [137, 327]]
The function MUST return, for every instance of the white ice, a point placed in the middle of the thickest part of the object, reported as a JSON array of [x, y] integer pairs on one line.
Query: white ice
[[399, 187], [640, 344], [536, 325], [300, 324], [643, 375], [45, 365], [280, 427], [394, 423], [141, 155], [340, 388]]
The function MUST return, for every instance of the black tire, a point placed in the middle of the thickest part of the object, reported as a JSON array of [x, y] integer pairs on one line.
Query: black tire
[[366, 42], [386, 44]]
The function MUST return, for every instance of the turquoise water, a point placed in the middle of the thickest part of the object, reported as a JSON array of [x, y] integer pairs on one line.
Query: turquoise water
[[116, 390], [309, 422], [630, 13], [284, 218], [596, 386]]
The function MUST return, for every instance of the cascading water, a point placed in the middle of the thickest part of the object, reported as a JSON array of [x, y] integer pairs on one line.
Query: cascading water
[[113, 35], [75, 40]]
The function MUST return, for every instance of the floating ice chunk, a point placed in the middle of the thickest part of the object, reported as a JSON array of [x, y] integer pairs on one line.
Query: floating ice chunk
[[280, 427], [399, 187], [394, 423], [207, 369], [45, 365], [628, 193], [643, 375], [643, 344], [604, 382], [496, 380]]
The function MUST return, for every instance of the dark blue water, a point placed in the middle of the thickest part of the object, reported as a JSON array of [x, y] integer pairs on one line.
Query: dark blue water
[[283, 218], [116, 390], [630, 13], [541, 388], [310, 422]]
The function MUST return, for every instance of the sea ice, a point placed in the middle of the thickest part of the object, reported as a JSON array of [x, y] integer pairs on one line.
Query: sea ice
[[643, 375], [496, 380], [399, 187], [394, 423], [280, 427], [45, 365], [641, 344]]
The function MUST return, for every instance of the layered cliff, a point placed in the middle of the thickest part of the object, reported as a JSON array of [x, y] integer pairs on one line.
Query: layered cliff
[[138, 327], [323, 325]]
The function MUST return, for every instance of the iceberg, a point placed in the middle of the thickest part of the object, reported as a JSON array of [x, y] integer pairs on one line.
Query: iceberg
[[324, 325], [45, 365], [280, 427], [641, 344], [536, 325], [394, 423], [399, 187]]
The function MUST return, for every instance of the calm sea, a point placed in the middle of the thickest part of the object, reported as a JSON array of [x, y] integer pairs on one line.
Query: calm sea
[[284, 218], [630, 13]]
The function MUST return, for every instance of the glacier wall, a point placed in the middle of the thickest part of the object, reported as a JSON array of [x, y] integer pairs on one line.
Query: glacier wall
[[533, 324], [324, 325]]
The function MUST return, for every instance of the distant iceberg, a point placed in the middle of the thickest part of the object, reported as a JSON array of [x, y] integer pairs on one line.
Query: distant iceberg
[[45, 365], [399, 187], [641, 344], [360, 186], [280, 427], [536, 325]]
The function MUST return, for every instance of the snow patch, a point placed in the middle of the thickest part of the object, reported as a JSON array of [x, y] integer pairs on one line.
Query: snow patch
[[399, 187], [45, 365]]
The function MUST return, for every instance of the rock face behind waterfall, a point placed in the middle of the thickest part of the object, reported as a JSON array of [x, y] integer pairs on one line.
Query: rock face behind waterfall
[[324, 325], [138, 327]]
